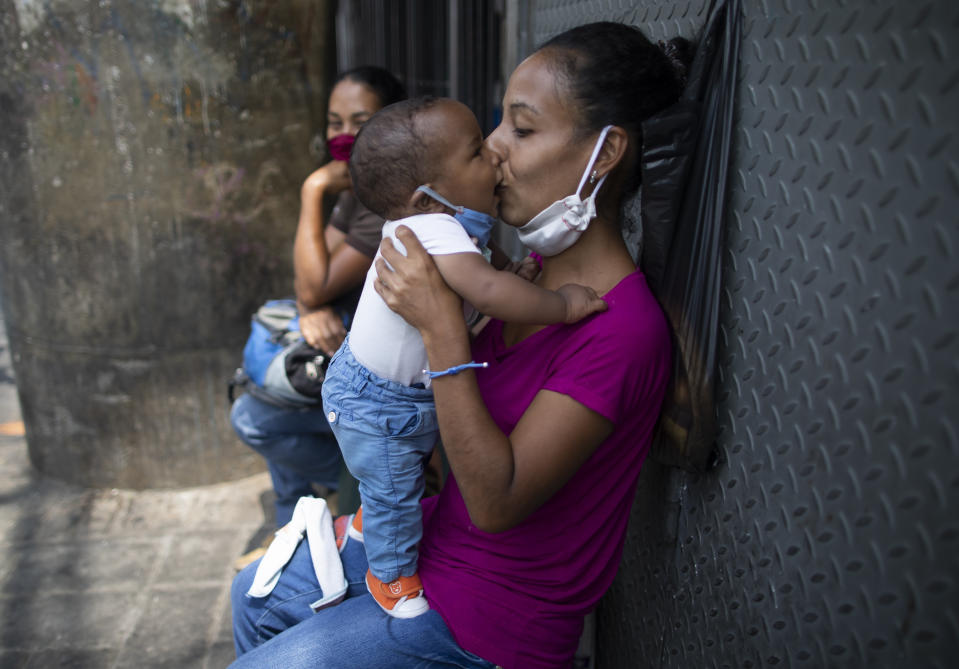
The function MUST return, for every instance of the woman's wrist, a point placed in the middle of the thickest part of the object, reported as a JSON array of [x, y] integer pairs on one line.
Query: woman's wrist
[[446, 343]]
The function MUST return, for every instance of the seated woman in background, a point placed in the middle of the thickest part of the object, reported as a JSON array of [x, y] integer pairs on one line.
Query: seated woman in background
[[546, 444]]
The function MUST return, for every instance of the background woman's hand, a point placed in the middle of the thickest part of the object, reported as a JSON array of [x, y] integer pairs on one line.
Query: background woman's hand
[[412, 286], [323, 329], [332, 178]]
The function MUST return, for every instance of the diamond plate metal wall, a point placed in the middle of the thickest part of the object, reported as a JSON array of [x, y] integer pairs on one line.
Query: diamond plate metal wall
[[826, 536], [660, 19]]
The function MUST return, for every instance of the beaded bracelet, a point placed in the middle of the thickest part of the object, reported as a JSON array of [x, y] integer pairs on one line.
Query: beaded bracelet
[[456, 369]]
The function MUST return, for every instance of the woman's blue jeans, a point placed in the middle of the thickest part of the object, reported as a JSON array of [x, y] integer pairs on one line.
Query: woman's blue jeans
[[298, 445], [281, 631]]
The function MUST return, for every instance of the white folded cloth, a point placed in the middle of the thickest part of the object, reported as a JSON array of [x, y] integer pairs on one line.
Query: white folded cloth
[[311, 515]]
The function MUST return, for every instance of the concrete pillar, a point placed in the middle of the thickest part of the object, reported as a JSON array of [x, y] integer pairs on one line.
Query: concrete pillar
[[150, 162]]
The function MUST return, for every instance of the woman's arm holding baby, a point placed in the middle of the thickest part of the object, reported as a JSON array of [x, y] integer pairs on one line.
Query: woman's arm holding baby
[[503, 478]]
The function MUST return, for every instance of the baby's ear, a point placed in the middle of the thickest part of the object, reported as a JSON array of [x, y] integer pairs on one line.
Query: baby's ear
[[421, 203]]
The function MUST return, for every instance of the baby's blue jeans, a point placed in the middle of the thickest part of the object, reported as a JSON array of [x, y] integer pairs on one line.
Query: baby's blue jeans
[[386, 432]]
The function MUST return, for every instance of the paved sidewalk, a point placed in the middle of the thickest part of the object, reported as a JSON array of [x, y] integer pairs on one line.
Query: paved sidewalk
[[115, 578]]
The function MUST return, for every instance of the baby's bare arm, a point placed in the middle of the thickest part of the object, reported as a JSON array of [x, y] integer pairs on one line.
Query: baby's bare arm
[[510, 298]]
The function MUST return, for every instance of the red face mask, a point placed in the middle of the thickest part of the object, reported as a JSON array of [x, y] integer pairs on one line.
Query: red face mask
[[340, 146]]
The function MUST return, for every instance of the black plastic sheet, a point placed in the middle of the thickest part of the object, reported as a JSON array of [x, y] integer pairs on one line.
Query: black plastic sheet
[[686, 162]]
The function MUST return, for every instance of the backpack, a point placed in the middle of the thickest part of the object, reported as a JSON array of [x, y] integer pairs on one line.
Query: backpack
[[279, 367]]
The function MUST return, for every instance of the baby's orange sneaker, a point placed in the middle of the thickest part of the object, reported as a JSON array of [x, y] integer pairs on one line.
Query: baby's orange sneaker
[[403, 598], [351, 527]]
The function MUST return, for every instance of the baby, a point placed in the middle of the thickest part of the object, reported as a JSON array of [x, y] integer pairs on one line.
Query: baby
[[418, 163]]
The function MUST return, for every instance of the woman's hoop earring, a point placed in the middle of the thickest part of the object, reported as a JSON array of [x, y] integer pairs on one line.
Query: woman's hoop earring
[[592, 177]]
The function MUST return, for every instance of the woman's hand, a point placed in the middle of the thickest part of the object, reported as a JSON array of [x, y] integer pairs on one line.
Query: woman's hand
[[412, 286], [323, 329], [332, 178]]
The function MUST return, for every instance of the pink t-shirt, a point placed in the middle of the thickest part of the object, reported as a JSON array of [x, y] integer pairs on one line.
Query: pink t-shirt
[[518, 598]]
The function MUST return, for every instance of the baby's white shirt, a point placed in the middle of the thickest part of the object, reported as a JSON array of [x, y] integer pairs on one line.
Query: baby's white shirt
[[380, 339]]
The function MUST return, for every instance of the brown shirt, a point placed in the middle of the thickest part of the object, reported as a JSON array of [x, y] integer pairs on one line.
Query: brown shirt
[[363, 228]]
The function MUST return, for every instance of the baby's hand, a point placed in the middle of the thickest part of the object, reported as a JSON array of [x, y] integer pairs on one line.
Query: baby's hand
[[581, 301], [527, 268]]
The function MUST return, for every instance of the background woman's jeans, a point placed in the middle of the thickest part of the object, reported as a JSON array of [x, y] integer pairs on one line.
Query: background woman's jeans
[[281, 630], [298, 445]]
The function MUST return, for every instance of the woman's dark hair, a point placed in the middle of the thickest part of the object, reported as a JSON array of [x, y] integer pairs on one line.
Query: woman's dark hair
[[616, 76], [384, 85]]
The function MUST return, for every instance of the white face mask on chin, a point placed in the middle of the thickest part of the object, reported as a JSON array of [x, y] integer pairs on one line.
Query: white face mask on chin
[[560, 225]]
